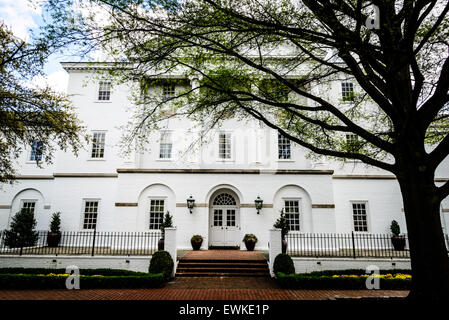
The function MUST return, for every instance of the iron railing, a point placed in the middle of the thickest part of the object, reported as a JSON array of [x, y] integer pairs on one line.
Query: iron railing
[[347, 245], [82, 243]]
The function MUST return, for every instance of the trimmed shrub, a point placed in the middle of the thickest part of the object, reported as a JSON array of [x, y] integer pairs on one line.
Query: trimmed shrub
[[87, 272], [22, 233], [309, 281], [161, 262], [34, 281], [283, 263]]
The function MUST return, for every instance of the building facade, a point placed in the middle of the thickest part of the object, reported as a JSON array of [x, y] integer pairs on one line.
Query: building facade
[[235, 165]]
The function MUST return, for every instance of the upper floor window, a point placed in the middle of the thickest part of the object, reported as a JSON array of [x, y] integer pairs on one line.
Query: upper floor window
[[156, 213], [284, 147], [90, 214], [36, 151], [168, 91], [98, 143], [165, 145], [359, 216], [352, 142], [291, 209], [104, 91], [29, 205], [347, 91], [224, 145]]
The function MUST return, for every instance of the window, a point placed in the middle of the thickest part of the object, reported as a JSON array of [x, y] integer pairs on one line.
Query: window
[[291, 209], [352, 142], [224, 146], [168, 91], [98, 143], [347, 91], [360, 217], [274, 90], [90, 214], [156, 213], [104, 91], [36, 151], [29, 205], [284, 148], [165, 145]]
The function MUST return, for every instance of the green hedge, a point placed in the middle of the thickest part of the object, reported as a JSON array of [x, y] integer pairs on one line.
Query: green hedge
[[33, 281], [103, 272], [355, 272], [316, 281]]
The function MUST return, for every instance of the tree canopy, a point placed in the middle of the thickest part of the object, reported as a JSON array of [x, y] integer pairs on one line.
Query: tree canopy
[[30, 114], [276, 61]]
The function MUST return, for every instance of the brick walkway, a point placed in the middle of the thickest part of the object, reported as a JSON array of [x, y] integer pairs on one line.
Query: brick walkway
[[201, 288], [194, 294]]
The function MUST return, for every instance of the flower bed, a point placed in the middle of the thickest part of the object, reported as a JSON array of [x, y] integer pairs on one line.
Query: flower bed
[[346, 279], [36, 278]]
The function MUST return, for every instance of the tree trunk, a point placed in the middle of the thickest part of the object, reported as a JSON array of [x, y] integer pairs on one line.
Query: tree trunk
[[428, 253]]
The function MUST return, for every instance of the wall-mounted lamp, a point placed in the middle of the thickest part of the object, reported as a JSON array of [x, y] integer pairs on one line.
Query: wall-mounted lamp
[[190, 203], [259, 203]]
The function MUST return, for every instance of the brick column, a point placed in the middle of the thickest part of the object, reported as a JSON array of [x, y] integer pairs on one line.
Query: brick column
[[170, 245], [275, 243]]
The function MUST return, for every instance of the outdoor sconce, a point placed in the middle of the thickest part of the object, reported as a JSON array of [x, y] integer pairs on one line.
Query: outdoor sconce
[[258, 203], [190, 203]]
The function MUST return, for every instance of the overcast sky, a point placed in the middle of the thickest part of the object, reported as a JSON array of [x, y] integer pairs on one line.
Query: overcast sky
[[21, 17]]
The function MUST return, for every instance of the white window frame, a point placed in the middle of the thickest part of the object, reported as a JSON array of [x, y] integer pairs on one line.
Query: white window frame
[[83, 212], [92, 146], [368, 224], [155, 198], [29, 160], [290, 159], [170, 133], [99, 91], [168, 94], [23, 201], [301, 224], [231, 146], [347, 87]]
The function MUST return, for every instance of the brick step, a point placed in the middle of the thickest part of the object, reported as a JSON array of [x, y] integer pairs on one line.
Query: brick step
[[222, 261], [223, 274], [221, 264], [219, 270]]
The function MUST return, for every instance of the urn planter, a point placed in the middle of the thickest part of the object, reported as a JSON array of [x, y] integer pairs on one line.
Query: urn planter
[[398, 242], [53, 239]]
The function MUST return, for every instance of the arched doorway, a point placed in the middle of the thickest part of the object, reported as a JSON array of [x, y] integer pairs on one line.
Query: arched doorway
[[224, 219]]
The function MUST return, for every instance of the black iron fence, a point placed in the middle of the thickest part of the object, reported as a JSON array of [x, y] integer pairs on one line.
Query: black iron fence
[[80, 243], [348, 245]]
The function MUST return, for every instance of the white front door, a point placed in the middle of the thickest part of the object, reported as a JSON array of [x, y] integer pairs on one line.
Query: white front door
[[224, 223]]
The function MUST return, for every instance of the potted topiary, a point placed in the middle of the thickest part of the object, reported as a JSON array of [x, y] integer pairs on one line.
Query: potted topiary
[[282, 223], [167, 222], [397, 240], [196, 242], [250, 241], [54, 236]]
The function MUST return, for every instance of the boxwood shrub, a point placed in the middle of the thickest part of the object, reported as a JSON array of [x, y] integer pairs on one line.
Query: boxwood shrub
[[283, 263], [326, 281], [161, 262], [103, 272], [34, 281]]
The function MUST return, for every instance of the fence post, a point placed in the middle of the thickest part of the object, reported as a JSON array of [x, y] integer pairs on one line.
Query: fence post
[[353, 244], [275, 247], [93, 242], [170, 245]]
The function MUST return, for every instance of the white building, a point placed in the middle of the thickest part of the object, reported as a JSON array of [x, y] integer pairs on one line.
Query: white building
[[240, 162]]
